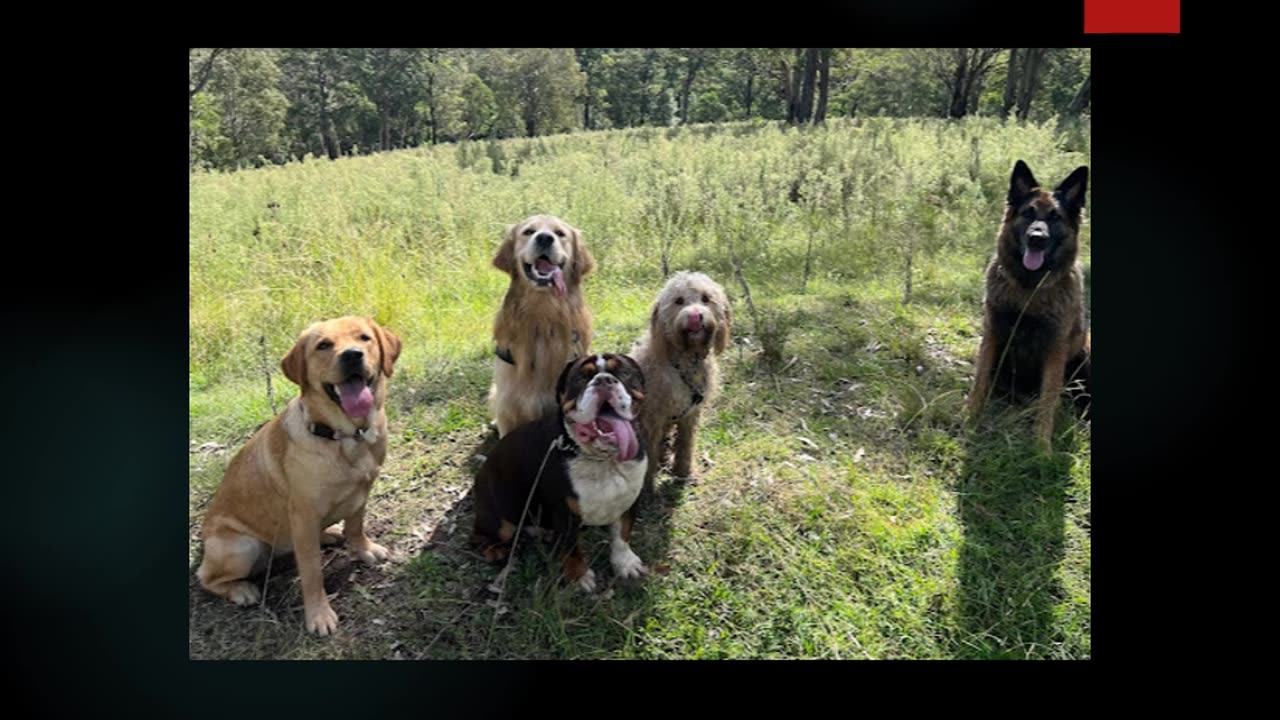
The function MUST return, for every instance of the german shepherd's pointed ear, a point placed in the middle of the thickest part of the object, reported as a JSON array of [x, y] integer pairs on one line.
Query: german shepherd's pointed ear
[[294, 363], [1021, 183], [583, 263], [505, 260], [388, 346], [1071, 191]]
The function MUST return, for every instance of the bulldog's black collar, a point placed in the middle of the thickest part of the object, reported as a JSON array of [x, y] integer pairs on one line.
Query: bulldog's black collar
[[565, 441]]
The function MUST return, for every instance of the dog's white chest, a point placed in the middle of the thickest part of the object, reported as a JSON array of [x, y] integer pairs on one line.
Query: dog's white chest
[[605, 489]]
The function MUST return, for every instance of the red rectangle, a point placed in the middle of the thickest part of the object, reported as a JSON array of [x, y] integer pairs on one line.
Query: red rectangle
[[1133, 16]]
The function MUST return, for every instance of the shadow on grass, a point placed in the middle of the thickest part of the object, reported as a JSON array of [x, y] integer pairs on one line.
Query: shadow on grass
[[536, 617], [458, 613], [275, 628], [422, 412], [1012, 506]]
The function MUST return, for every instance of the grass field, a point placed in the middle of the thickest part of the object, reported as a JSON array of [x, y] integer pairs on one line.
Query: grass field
[[840, 509]]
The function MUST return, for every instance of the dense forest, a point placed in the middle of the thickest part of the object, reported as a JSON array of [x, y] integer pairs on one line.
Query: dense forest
[[256, 106]]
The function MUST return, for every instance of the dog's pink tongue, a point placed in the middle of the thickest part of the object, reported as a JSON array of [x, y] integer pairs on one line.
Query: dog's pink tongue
[[557, 276], [1032, 259], [628, 445], [357, 399], [621, 430]]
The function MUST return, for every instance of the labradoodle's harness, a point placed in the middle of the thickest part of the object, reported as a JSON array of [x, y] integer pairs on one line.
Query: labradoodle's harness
[[697, 389]]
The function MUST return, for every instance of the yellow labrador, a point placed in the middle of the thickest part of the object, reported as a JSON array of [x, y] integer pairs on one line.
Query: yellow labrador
[[307, 468]]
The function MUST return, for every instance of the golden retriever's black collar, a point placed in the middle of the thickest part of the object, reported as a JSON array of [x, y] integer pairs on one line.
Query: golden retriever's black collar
[[328, 433], [504, 354]]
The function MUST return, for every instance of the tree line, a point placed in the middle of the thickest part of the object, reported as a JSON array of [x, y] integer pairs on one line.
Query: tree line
[[256, 106]]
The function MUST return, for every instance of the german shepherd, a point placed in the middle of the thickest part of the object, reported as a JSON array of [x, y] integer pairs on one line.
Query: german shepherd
[[1034, 335]]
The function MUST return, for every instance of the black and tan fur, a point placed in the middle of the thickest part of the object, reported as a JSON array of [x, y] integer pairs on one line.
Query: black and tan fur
[[1035, 335], [579, 483]]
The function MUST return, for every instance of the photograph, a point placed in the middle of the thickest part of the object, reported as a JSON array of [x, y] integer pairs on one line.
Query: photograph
[[641, 353]]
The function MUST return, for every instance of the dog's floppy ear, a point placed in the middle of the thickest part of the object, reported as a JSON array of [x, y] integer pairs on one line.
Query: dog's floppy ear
[[1071, 191], [505, 260], [638, 373], [1021, 183], [388, 346], [294, 363], [720, 341], [564, 380], [583, 263], [656, 334]]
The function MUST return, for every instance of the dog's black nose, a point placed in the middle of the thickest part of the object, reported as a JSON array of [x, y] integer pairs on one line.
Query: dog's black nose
[[1038, 233], [544, 239], [352, 356], [604, 380]]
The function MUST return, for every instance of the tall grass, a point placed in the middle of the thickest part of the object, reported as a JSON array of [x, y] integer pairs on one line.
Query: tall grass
[[407, 237]]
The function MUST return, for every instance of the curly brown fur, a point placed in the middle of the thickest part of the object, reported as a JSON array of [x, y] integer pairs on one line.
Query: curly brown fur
[[682, 374], [1035, 335], [542, 323]]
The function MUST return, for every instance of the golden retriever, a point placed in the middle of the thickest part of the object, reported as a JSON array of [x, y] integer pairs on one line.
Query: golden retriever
[[544, 321], [306, 468]]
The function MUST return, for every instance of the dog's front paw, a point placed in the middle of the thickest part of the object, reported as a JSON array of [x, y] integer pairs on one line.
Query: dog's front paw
[[243, 593], [682, 469], [373, 553], [972, 409], [331, 536], [627, 565], [322, 620], [587, 583]]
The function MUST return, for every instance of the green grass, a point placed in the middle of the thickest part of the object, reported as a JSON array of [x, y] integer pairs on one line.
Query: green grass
[[840, 509]]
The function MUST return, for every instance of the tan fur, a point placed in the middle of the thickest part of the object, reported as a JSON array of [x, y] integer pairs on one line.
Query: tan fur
[[286, 486], [671, 362], [542, 330], [575, 567]]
